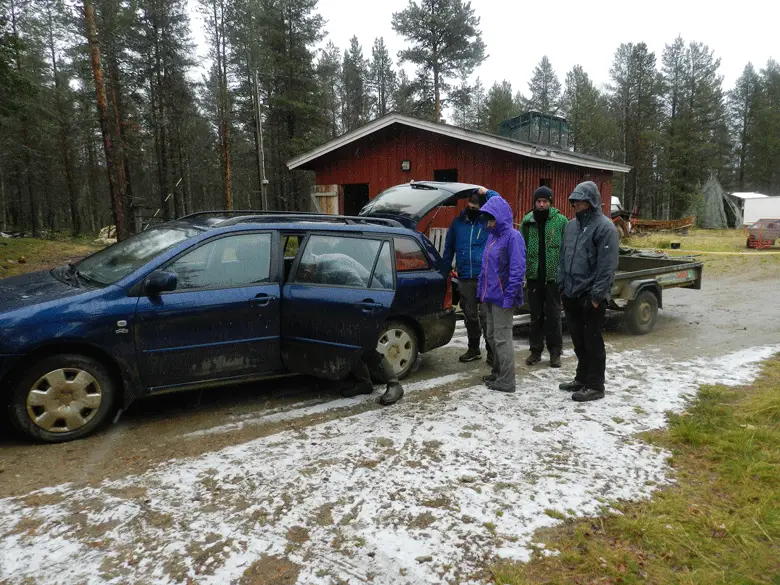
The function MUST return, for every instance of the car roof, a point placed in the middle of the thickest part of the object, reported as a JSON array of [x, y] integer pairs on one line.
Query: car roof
[[245, 220]]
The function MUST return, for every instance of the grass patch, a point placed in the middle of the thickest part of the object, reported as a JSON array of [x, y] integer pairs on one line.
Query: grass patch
[[555, 514], [719, 524], [22, 255], [720, 250]]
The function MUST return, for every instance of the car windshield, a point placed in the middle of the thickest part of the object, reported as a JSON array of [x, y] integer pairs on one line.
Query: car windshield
[[117, 261]]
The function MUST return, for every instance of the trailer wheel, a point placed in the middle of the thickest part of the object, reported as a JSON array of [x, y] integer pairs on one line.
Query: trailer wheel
[[642, 313]]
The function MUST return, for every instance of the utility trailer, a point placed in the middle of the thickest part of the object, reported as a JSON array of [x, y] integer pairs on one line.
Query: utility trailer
[[640, 280]]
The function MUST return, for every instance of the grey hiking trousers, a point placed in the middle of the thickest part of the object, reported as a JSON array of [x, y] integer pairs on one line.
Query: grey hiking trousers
[[499, 336]]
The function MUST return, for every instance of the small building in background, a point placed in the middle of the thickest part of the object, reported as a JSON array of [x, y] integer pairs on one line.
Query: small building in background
[[755, 206], [395, 149], [537, 128]]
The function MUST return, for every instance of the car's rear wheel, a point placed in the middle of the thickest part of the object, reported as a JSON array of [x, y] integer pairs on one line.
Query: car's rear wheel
[[61, 398], [399, 344]]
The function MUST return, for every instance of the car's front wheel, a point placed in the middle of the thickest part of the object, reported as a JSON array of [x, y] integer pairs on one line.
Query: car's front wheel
[[399, 344], [61, 398]]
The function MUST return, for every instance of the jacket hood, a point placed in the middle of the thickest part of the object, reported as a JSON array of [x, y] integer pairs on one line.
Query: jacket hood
[[499, 208], [587, 191]]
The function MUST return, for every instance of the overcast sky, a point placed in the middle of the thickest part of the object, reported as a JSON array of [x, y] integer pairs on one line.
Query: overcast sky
[[518, 34]]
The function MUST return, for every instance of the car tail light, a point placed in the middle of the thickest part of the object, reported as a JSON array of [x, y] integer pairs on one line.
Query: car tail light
[[448, 293]]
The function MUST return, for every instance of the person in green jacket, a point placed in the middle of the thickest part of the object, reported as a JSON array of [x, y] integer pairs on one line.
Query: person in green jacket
[[542, 230]]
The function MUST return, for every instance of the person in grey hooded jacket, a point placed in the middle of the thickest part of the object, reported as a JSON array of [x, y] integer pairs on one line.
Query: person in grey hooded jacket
[[589, 256]]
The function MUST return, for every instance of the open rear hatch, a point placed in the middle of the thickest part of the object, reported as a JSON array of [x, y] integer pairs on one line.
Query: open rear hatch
[[411, 202]]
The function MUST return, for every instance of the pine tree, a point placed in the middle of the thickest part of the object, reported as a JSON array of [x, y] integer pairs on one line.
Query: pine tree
[[695, 134], [446, 41], [545, 88], [164, 45], [500, 105], [403, 96], [477, 112], [113, 162], [216, 15], [460, 101], [635, 102], [382, 78], [295, 117], [355, 99], [329, 77], [764, 163], [521, 103], [742, 107], [14, 87], [57, 27], [587, 112]]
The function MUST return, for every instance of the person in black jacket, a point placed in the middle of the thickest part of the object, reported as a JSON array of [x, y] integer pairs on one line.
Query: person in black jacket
[[589, 256]]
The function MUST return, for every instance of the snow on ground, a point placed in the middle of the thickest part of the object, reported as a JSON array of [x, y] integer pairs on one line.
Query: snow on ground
[[425, 491]]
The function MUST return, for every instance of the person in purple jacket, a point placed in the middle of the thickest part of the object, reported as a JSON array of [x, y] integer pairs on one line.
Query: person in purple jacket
[[500, 287]]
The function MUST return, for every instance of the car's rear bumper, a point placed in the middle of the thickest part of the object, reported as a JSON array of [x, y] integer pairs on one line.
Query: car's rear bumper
[[438, 329]]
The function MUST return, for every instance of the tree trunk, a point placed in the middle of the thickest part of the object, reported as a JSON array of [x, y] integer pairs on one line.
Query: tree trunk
[[28, 168], [3, 215], [19, 211], [743, 147], [25, 138], [186, 197], [75, 222], [437, 96], [121, 145], [117, 199], [222, 100], [92, 187]]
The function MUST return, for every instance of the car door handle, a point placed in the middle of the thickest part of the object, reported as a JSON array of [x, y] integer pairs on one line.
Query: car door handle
[[368, 306], [261, 300]]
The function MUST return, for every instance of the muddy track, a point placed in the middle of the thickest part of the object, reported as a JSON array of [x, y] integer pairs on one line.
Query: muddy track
[[289, 480]]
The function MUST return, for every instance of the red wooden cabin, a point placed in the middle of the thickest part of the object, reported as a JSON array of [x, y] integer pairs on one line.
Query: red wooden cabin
[[395, 149]]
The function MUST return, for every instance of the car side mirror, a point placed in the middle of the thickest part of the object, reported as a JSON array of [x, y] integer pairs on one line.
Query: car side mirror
[[158, 282]]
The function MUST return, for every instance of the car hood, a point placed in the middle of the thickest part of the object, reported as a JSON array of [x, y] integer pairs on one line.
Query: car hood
[[410, 202], [32, 289]]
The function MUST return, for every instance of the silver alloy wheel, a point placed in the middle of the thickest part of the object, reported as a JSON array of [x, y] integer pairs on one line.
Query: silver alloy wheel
[[397, 346], [64, 400]]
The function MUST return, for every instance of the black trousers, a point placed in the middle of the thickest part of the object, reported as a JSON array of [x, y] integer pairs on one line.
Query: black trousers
[[544, 300], [585, 324], [474, 312], [372, 365]]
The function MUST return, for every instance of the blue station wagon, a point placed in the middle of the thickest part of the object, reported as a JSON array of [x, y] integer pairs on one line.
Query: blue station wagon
[[219, 298]]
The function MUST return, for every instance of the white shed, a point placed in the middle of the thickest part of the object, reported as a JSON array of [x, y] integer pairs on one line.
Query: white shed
[[755, 206]]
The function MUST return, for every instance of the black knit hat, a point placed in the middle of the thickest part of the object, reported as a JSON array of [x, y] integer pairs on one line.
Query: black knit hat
[[543, 193]]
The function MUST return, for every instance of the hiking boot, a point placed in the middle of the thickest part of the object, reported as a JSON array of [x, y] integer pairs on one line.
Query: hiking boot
[[492, 386], [357, 389], [555, 361], [573, 386], [489, 378], [587, 394], [393, 394], [471, 355], [533, 359]]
